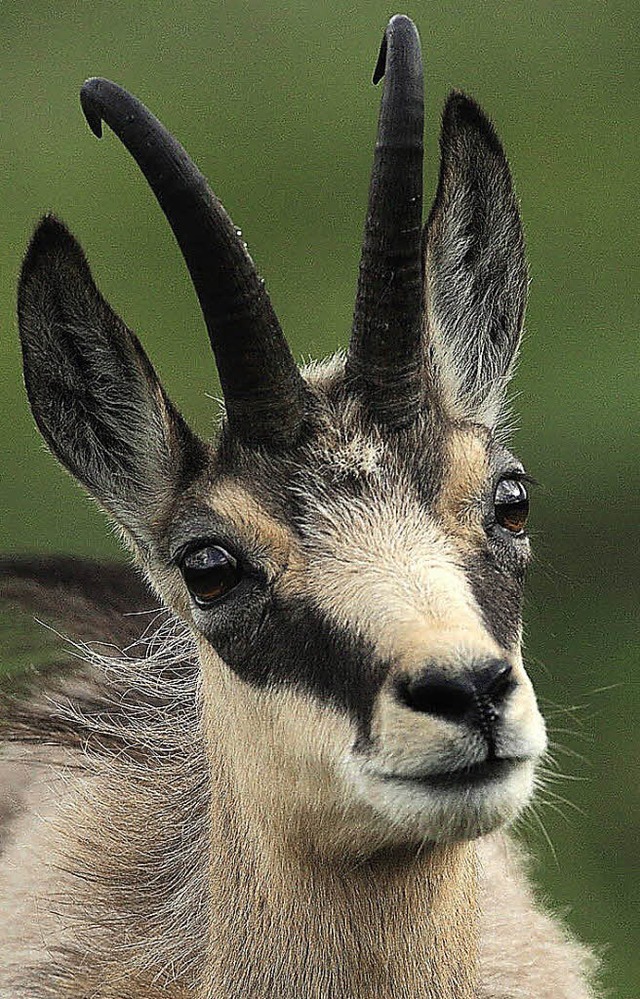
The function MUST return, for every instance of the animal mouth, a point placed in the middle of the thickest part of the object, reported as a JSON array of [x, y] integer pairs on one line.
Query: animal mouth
[[462, 778]]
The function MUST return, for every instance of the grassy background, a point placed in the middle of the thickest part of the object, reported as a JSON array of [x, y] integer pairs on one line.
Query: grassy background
[[273, 101]]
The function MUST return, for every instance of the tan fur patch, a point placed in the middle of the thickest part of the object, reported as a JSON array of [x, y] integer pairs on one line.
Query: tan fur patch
[[276, 542], [283, 750], [464, 482]]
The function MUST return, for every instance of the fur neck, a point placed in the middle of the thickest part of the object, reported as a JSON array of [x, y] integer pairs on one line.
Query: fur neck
[[399, 925]]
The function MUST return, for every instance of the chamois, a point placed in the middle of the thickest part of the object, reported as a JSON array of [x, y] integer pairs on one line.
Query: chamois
[[294, 786]]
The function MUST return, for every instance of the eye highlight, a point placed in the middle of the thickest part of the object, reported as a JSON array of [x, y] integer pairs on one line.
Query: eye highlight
[[511, 505], [210, 572]]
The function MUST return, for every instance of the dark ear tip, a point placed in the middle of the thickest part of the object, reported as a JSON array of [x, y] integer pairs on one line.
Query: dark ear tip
[[49, 236], [50, 227], [51, 246], [463, 112], [463, 109]]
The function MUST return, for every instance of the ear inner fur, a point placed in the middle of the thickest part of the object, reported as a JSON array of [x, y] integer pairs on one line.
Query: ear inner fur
[[475, 268], [95, 395]]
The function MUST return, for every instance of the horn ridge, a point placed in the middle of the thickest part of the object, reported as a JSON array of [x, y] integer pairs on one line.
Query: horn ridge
[[385, 361], [265, 394]]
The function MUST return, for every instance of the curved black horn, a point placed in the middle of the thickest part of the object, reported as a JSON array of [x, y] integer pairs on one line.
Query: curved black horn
[[385, 359], [263, 389]]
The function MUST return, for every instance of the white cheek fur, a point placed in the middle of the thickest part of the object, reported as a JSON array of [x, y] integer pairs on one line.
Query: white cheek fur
[[415, 814]]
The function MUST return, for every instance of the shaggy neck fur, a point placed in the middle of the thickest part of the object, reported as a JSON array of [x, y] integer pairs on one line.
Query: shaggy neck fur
[[287, 923]]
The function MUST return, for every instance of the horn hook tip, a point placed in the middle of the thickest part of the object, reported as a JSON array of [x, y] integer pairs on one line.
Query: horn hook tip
[[90, 102], [407, 32], [381, 62]]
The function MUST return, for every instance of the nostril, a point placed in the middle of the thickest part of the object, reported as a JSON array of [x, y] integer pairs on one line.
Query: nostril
[[475, 695], [446, 697], [495, 680]]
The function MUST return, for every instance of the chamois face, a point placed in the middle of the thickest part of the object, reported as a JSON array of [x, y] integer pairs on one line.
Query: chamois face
[[350, 553], [368, 567]]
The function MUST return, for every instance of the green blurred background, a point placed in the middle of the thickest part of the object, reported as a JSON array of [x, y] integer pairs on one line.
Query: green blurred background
[[273, 101]]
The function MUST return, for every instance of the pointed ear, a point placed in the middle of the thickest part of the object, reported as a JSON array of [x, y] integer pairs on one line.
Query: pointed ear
[[94, 394], [475, 268]]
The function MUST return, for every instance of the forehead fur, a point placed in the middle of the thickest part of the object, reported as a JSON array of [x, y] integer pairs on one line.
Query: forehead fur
[[357, 496], [443, 464]]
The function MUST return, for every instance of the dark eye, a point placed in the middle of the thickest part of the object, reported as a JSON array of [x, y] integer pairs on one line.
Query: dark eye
[[511, 504], [209, 572]]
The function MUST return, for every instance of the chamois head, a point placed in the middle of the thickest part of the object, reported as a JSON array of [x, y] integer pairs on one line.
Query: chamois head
[[350, 553]]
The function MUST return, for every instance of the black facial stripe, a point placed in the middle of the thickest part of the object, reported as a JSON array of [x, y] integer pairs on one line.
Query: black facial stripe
[[294, 645], [499, 593]]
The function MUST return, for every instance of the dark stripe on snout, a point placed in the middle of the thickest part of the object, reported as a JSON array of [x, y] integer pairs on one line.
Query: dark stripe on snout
[[294, 645], [498, 589]]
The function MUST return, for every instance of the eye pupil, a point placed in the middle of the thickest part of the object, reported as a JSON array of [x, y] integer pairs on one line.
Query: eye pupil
[[209, 572], [511, 505]]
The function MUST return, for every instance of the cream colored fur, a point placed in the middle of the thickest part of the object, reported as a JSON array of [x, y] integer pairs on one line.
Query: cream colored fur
[[233, 844], [343, 947]]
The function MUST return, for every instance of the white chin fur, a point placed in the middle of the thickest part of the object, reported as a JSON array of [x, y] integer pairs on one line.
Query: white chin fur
[[416, 812]]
